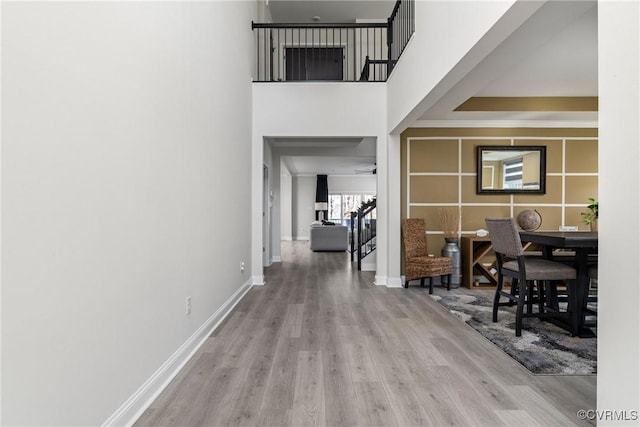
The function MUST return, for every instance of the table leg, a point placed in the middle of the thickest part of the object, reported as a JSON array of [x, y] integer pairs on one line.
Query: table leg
[[578, 298]]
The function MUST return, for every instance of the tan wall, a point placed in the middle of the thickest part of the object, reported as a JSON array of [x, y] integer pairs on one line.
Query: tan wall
[[530, 167], [439, 170]]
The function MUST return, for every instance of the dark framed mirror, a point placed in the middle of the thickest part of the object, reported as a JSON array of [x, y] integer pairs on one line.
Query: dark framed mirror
[[508, 169]]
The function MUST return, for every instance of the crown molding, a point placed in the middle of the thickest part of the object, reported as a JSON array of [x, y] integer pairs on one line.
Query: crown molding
[[503, 124]]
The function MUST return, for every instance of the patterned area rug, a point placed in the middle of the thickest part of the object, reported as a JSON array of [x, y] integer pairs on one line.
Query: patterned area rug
[[543, 347]]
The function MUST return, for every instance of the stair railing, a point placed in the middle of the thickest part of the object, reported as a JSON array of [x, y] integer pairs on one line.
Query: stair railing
[[366, 222]]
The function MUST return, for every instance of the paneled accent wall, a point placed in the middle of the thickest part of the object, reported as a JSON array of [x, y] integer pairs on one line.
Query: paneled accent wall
[[439, 170]]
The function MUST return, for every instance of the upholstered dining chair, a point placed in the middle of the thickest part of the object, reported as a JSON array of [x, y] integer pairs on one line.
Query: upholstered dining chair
[[418, 264], [525, 272]]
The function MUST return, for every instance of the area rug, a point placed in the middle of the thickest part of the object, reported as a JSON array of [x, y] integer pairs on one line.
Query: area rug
[[543, 348]]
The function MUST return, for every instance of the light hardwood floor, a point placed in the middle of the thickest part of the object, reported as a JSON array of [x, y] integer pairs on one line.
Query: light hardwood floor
[[320, 344]]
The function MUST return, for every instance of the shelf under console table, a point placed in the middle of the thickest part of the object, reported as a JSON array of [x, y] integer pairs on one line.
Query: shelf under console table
[[478, 259], [475, 253]]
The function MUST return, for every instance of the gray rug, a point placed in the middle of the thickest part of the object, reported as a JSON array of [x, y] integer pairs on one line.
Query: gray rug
[[543, 347]]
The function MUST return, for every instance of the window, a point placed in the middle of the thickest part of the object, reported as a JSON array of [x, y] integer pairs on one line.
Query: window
[[342, 204], [513, 173]]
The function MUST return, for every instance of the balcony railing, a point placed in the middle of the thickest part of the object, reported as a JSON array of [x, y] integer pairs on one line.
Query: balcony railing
[[336, 52], [401, 28]]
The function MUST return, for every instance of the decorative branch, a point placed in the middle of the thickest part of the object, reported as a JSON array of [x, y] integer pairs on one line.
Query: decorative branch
[[449, 222]]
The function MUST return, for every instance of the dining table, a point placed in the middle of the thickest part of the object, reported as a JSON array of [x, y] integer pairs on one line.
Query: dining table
[[585, 246]]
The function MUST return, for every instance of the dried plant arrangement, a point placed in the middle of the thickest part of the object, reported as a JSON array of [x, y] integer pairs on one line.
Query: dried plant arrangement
[[449, 222]]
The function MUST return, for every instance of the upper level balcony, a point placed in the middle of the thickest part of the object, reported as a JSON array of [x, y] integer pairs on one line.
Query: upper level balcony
[[365, 52]]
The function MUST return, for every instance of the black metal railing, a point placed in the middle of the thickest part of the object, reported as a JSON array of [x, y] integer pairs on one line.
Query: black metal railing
[[352, 235], [335, 52], [375, 64], [364, 222], [401, 26]]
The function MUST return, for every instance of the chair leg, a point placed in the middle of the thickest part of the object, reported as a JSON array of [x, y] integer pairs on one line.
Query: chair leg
[[524, 285], [406, 283], [496, 298], [422, 282], [448, 282], [530, 297], [430, 285], [513, 291]]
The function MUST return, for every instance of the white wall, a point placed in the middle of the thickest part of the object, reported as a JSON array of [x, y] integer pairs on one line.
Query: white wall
[[267, 231], [446, 30], [124, 129], [286, 218], [275, 210], [303, 197], [293, 109], [356, 183], [619, 251]]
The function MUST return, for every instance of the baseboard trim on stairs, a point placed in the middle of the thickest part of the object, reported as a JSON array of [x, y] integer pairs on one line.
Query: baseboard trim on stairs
[[135, 406]]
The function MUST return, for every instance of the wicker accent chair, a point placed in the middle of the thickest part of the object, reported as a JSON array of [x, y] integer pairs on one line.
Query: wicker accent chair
[[417, 262], [527, 273]]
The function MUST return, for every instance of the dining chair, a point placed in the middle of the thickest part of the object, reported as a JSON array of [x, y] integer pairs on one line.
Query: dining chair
[[527, 274], [418, 264], [592, 296]]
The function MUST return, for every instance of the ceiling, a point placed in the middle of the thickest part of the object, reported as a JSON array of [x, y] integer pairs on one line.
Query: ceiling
[[554, 54], [329, 11], [326, 156]]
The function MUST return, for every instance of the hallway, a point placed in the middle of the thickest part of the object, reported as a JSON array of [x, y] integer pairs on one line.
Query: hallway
[[320, 344]]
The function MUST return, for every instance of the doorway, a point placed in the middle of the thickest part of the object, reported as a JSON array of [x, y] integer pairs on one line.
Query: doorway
[[313, 63]]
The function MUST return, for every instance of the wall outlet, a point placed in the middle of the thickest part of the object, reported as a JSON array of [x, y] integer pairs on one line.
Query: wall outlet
[[242, 266], [188, 306]]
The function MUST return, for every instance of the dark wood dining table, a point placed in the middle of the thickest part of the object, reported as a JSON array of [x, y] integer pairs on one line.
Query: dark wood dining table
[[583, 243]]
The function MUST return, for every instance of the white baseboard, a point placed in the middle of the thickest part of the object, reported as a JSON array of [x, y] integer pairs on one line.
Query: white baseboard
[[287, 238], [389, 282], [301, 238], [394, 282], [135, 406], [276, 259], [380, 280], [257, 280]]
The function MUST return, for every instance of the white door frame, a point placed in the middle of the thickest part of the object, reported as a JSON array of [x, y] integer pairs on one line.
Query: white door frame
[[266, 217]]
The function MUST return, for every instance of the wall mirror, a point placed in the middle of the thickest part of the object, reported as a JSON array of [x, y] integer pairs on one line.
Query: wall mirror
[[511, 169]]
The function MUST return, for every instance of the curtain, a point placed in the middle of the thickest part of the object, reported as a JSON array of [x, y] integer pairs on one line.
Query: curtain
[[322, 194]]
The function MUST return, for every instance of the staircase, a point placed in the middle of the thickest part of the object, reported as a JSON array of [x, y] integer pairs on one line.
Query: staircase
[[363, 231]]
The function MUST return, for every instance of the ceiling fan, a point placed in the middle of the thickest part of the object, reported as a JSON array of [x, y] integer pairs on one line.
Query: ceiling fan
[[367, 171]]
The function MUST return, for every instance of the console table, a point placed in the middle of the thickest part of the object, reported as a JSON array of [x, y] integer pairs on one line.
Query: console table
[[476, 250]]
